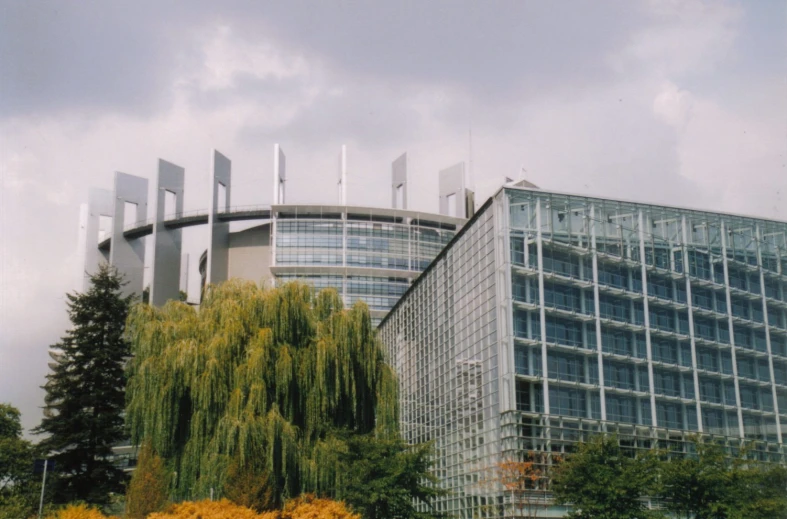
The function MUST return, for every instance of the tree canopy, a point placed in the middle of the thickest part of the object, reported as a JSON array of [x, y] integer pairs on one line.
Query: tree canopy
[[601, 481], [148, 490], [85, 393], [708, 483], [262, 378], [385, 477], [16, 454], [604, 481], [17, 484]]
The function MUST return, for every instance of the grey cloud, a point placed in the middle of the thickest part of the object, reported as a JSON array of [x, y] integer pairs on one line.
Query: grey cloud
[[125, 57], [81, 56], [489, 48]]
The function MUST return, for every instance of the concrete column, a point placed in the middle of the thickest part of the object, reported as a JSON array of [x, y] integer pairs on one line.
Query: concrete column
[[687, 276], [768, 335], [646, 310], [453, 190], [597, 304], [167, 243], [218, 231], [505, 308], [97, 211], [723, 231], [342, 183], [541, 308], [279, 174], [128, 255], [399, 182]]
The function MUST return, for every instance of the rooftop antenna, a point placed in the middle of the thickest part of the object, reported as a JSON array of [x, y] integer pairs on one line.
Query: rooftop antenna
[[471, 182], [342, 184]]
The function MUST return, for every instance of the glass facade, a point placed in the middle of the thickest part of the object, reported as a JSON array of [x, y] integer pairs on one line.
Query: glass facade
[[652, 322], [368, 256]]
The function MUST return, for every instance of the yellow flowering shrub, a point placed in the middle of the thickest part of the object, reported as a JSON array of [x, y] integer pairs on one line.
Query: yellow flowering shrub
[[206, 509], [304, 507], [310, 507], [79, 512]]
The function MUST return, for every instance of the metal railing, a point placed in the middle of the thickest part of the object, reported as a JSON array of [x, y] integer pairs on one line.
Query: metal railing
[[138, 224]]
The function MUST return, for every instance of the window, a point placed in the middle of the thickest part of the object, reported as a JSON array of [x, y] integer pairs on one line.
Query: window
[[567, 402], [104, 227], [669, 415], [170, 204], [621, 409], [221, 201], [129, 213]]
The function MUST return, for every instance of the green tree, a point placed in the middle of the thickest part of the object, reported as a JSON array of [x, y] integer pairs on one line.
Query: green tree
[[602, 481], [148, 490], [19, 487], [17, 484], [16, 454], [383, 477], [248, 486], [695, 485], [257, 376], [758, 491], [710, 484], [85, 394]]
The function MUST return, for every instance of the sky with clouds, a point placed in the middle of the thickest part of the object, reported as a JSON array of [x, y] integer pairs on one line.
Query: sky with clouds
[[666, 101]]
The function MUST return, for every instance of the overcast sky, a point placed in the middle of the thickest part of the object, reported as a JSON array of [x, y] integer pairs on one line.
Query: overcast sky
[[676, 101]]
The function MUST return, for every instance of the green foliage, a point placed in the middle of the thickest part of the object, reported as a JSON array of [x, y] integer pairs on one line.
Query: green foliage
[[708, 484], [85, 394], [249, 487], [16, 454], [759, 491], [382, 476], [148, 490], [261, 376], [18, 486], [602, 481], [695, 485], [10, 424]]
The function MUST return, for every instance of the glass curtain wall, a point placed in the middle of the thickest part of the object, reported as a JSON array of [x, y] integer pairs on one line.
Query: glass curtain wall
[[658, 320]]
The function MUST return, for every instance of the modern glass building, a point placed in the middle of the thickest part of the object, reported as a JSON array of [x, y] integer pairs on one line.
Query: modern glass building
[[367, 254], [371, 254], [551, 317]]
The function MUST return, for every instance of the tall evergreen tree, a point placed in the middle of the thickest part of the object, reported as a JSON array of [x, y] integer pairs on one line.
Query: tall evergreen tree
[[85, 393]]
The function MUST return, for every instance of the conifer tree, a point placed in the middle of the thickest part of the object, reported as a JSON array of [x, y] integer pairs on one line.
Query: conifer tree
[[85, 393]]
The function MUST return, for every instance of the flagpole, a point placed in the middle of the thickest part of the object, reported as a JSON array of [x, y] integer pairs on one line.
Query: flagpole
[[43, 486]]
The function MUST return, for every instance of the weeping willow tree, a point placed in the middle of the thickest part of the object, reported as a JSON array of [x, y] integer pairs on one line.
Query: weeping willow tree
[[270, 379]]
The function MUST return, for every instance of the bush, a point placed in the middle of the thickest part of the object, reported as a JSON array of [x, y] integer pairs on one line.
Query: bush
[[147, 492], [80, 511], [206, 509], [248, 487], [308, 506], [304, 507]]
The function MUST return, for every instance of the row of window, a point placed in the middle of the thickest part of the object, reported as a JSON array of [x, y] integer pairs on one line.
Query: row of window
[[624, 375], [364, 229], [375, 260], [626, 311], [580, 403], [620, 276]]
